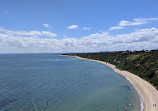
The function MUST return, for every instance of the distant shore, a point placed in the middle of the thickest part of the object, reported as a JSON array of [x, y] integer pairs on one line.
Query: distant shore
[[148, 93]]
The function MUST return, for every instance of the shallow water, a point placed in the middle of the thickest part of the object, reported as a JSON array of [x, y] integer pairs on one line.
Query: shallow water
[[67, 83]]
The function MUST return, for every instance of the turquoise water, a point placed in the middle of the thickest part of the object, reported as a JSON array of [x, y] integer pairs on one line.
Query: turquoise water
[[67, 83]]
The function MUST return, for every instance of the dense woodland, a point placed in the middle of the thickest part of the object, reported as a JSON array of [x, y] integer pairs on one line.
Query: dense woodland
[[142, 63]]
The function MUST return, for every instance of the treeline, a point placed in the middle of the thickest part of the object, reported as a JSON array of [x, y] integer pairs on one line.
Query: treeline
[[142, 63]]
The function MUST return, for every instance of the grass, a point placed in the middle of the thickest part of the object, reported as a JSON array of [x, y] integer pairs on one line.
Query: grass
[[132, 57]]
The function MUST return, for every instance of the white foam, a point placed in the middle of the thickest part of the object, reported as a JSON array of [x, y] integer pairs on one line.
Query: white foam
[[141, 97]]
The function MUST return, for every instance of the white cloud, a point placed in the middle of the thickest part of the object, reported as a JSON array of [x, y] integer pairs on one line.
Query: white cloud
[[46, 25], [140, 39], [30, 33], [136, 21], [76, 26], [86, 28], [72, 27], [50, 34], [117, 27]]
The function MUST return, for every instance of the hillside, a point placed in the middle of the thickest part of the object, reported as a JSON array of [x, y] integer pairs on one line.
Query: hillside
[[142, 63]]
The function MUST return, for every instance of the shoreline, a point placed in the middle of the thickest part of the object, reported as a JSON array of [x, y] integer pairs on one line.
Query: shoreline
[[148, 93]]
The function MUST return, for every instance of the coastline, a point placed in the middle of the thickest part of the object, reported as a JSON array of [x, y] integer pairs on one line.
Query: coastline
[[148, 93]]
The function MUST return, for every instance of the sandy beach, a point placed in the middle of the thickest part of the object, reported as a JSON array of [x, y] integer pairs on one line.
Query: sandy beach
[[148, 93]]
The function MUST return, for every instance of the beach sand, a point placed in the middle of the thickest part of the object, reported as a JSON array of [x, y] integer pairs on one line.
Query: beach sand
[[148, 93]]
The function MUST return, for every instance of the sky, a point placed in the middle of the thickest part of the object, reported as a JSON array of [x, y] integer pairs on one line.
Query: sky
[[61, 26]]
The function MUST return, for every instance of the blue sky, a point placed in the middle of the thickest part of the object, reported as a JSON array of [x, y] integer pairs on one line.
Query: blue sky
[[77, 25]]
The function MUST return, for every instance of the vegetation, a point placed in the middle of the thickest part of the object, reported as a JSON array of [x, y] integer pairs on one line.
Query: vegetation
[[142, 63]]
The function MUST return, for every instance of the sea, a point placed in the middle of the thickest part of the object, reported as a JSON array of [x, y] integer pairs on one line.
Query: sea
[[49, 82]]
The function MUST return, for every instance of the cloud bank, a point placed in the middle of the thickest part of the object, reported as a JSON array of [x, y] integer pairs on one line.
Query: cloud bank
[[16, 41], [24, 33]]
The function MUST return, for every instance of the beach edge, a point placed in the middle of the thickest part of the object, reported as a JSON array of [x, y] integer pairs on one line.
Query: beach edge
[[148, 93]]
